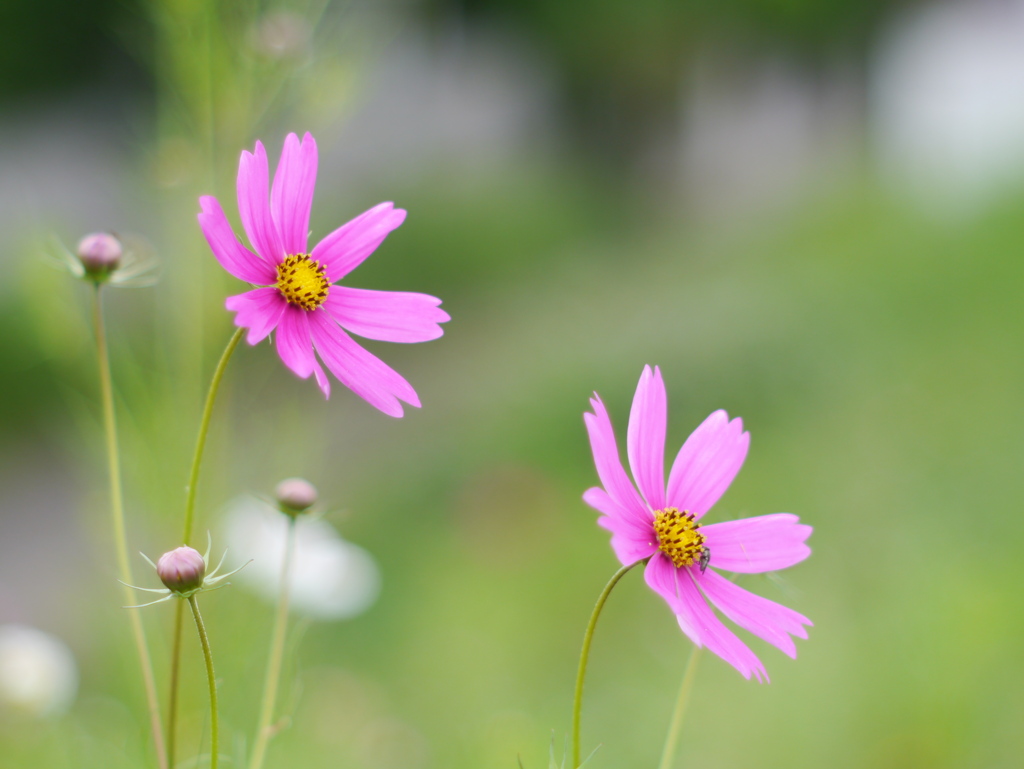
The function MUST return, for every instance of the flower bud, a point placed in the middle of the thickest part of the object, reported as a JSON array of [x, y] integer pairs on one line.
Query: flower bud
[[282, 35], [100, 254], [295, 495], [181, 569]]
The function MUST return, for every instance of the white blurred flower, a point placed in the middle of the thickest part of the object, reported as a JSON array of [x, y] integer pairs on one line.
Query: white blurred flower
[[331, 578], [947, 99], [38, 674]]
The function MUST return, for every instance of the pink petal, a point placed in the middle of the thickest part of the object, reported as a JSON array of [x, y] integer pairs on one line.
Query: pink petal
[[346, 248], [254, 205], [627, 546], [766, 619], [645, 438], [697, 620], [640, 526], [259, 311], [606, 460], [663, 578], [291, 197], [232, 255], [391, 316], [293, 341], [753, 545], [363, 373], [321, 378], [717, 637], [707, 463]]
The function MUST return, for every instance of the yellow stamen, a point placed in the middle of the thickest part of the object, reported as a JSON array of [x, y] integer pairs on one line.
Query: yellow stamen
[[302, 281], [678, 537]]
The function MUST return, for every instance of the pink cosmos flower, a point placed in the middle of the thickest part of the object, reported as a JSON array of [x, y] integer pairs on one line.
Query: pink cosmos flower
[[662, 523], [299, 297]]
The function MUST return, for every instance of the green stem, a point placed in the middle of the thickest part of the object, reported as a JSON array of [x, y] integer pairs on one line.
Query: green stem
[[190, 507], [120, 537], [210, 677], [677, 716], [584, 657], [264, 731], [172, 695], [204, 428]]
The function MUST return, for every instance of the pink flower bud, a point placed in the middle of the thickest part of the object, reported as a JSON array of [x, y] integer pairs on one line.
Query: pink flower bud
[[282, 35], [182, 569], [100, 253], [295, 495]]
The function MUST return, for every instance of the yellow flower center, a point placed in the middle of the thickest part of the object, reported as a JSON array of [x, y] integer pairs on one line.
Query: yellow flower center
[[302, 281], [678, 537]]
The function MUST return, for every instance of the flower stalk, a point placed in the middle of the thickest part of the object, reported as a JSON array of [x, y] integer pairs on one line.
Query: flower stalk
[[675, 725], [588, 636], [204, 428], [264, 731], [210, 677], [172, 694], [117, 519], [190, 506]]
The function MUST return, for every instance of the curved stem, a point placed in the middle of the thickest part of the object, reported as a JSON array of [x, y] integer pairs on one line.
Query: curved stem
[[190, 507], [585, 655], [120, 537], [676, 723], [204, 428], [264, 731], [210, 677]]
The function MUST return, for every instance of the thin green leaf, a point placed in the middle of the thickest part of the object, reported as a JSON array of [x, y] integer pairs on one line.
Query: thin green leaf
[[587, 759]]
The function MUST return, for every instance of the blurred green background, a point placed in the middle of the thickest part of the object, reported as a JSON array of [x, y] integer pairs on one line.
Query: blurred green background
[[808, 214]]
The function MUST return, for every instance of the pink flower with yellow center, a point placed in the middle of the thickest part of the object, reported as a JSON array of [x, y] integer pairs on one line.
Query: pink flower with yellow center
[[300, 297], [663, 523]]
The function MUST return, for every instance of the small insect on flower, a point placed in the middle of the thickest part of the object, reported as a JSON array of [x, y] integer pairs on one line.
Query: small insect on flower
[[101, 257], [663, 524], [705, 559], [183, 572]]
